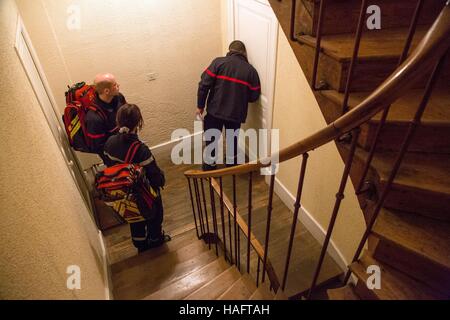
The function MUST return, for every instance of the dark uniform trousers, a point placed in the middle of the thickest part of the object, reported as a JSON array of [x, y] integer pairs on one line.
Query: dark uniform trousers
[[149, 232], [212, 122]]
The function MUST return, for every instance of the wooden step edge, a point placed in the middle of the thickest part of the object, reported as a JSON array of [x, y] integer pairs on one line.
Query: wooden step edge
[[310, 41], [421, 290], [181, 254], [343, 293], [414, 265], [186, 285], [262, 293], [245, 283], [177, 243], [380, 169], [138, 284], [360, 272], [280, 295], [231, 272], [249, 282], [394, 284], [418, 248], [356, 98]]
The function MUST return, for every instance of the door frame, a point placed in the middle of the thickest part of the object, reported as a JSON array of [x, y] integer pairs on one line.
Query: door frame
[[23, 42]]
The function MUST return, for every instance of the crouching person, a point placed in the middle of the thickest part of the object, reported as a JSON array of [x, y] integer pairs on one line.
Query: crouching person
[[125, 147]]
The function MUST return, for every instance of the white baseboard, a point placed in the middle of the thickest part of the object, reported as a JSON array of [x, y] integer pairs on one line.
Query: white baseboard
[[106, 270], [310, 223], [169, 144]]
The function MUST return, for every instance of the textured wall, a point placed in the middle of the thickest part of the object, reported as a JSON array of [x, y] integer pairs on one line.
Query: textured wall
[[297, 115], [44, 225], [175, 39]]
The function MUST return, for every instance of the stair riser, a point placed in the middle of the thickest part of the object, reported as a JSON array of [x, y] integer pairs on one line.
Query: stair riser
[[365, 293], [393, 14], [416, 266], [418, 201], [423, 202], [428, 138], [367, 74]]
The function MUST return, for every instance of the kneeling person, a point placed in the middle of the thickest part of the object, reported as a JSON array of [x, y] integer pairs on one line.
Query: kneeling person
[[145, 234]]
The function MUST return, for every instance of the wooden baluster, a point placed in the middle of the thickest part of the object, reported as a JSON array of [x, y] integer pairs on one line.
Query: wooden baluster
[[269, 220], [293, 14], [295, 218], [199, 207], [193, 208], [231, 240], [257, 272], [213, 212], [223, 219], [339, 198], [361, 21], [318, 43], [206, 216], [250, 182], [236, 244]]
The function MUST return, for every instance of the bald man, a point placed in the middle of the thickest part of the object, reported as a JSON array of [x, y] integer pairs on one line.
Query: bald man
[[108, 99]]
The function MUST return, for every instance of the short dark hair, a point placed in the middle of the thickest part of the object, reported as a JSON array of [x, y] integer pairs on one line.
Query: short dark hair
[[129, 115], [238, 46], [101, 86]]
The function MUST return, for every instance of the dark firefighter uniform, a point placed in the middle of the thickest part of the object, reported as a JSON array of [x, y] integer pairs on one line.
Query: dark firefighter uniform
[[99, 129], [226, 88], [147, 233]]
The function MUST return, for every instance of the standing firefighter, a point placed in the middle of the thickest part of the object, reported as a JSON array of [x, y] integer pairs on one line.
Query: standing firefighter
[[126, 148], [226, 88]]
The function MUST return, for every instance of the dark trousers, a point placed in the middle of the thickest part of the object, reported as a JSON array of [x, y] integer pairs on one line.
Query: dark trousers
[[150, 230], [211, 122]]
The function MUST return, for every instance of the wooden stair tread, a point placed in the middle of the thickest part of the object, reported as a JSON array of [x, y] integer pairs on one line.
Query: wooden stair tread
[[185, 286], [394, 285], [280, 295], [343, 293], [425, 237], [142, 280], [217, 286], [394, 14], [175, 244], [384, 44], [403, 110], [262, 293], [418, 171], [242, 289]]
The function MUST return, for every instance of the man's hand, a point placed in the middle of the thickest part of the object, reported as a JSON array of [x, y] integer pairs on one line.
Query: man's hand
[[199, 112]]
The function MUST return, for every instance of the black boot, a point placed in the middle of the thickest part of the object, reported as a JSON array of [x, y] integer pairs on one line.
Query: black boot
[[153, 243]]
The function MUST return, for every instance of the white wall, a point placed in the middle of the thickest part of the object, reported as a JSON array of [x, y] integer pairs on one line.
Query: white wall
[[44, 225], [175, 39], [297, 115]]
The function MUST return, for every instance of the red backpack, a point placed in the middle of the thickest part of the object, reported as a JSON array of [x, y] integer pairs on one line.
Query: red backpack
[[123, 185], [79, 100]]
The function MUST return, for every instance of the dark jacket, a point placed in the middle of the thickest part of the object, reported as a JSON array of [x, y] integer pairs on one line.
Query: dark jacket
[[229, 84], [98, 129], [116, 148]]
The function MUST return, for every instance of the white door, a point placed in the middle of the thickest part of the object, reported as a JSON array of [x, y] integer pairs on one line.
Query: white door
[[254, 23]]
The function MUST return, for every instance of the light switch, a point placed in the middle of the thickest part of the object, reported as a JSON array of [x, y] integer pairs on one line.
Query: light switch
[[152, 76]]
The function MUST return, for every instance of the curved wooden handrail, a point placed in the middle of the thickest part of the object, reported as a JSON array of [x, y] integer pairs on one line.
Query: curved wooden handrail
[[432, 47]]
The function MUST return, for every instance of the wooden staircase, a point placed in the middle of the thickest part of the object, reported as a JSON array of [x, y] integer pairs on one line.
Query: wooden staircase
[[184, 268], [411, 238]]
